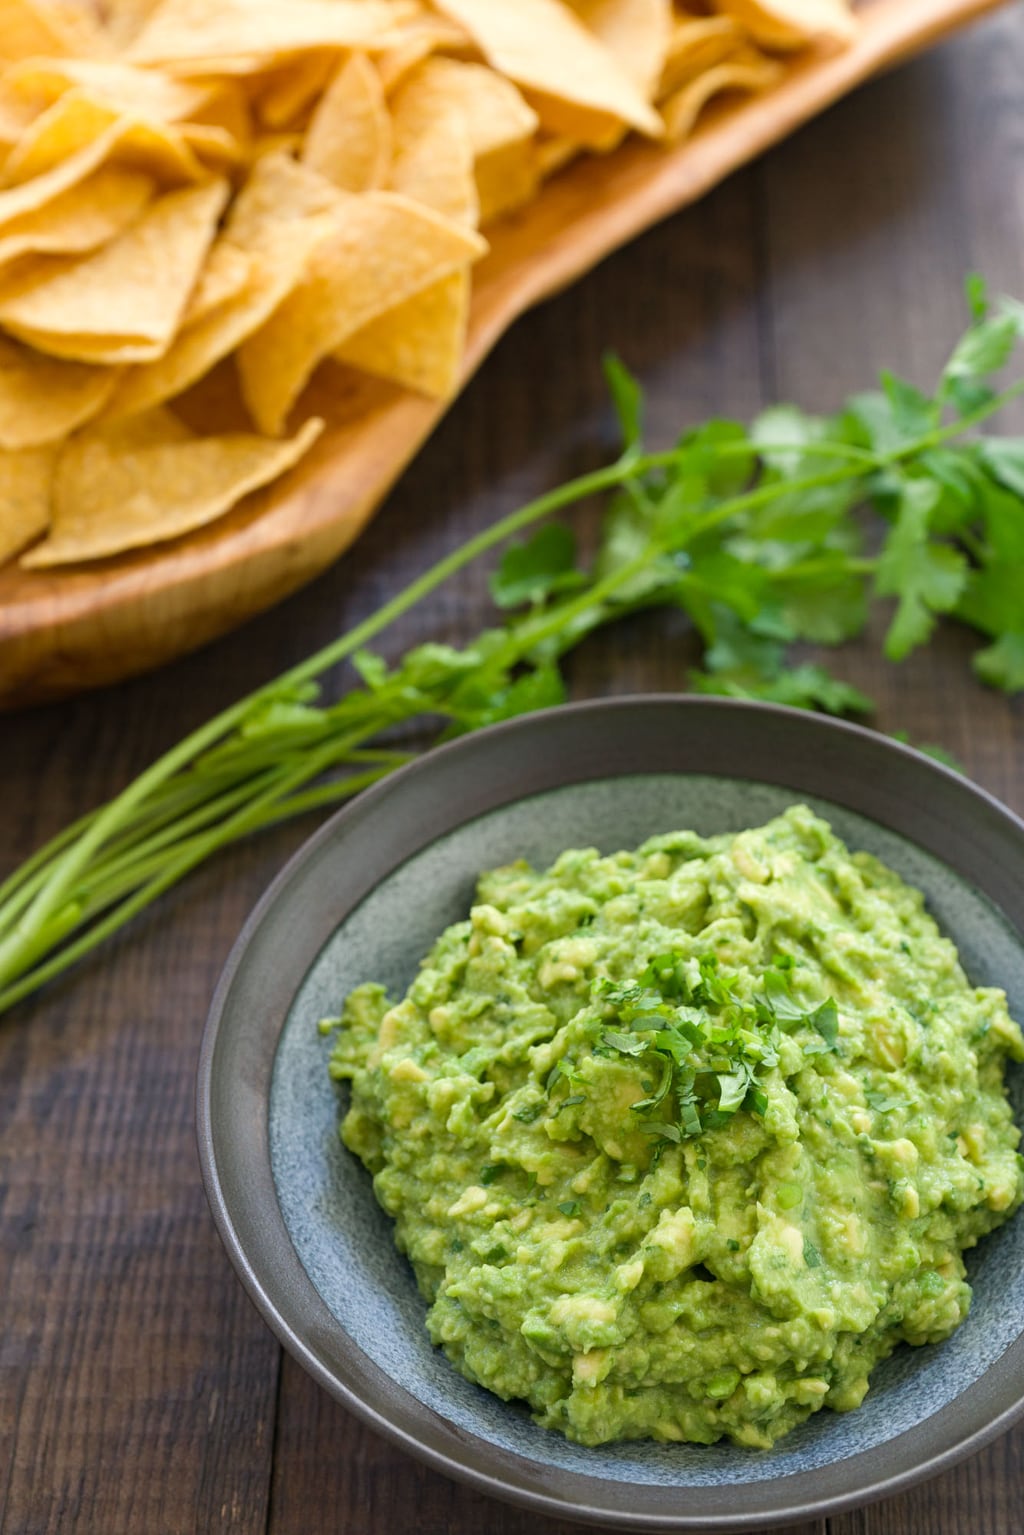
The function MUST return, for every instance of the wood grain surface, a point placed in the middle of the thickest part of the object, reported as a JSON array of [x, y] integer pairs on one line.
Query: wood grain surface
[[140, 1394], [66, 629]]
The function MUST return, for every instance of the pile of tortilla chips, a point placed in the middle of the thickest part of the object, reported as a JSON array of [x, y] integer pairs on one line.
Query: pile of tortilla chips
[[266, 186]]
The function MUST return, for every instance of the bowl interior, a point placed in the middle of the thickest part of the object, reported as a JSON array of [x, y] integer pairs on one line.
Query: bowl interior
[[344, 1241]]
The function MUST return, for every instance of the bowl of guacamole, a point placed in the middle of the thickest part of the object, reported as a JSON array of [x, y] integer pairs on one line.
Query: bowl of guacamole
[[673, 1044]]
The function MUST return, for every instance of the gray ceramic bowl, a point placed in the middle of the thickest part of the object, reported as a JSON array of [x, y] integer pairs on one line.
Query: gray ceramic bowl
[[365, 898]]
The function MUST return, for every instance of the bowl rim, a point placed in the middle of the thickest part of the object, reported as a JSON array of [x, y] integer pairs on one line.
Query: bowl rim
[[986, 847]]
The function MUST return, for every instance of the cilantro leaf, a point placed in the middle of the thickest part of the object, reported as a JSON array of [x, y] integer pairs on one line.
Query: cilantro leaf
[[926, 576], [531, 571], [930, 749], [628, 400], [976, 294], [625, 1044], [723, 452], [826, 1020], [1003, 457], [883, 1103], [807, 686], [1002, 664], [983, 349]]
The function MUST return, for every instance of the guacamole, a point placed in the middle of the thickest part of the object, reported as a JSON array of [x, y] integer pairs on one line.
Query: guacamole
[[681, 1142]]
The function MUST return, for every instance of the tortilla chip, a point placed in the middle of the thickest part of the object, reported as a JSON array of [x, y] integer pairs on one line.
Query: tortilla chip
[[420, 39], [635, 32], [132, 291], [80, 219], [278, 189], [386, 248], [123, 87], [226, 272], [263, 144], [499, 123], [110, 494], [187, 32], [17, 114], [29, 28], [123, 20], [25, 485], [294, 87], [573, 81], [76, 121], [276, 271], [553, 152], [217, 148], [42, 400], [786, 24], [17, 201], [419, 343], [349, 136], [698, 43], [433, 159], [682, 109]]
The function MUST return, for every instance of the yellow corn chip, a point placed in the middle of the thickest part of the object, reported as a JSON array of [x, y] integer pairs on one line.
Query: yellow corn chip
[[76, 121], [277, 189], [386, 248], [42, 400], [124, 19], [25, 483], [433, 159], [499, 123], [29, 28], [682, 109], [419, 343], [187, 31], [288, 91], [227, 107], [786, 24], [635, 32], [275, 272], [573, 80], [111, 494], [553, 152], [420, 39], [273, 144], [217, 148], [349, 136], [698, 43], [132, 291], [17, 201], [80, 219], [122, 87], [226, 272], [17, 113]]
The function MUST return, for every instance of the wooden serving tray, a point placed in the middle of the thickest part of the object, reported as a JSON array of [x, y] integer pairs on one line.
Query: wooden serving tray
[[61, 631]]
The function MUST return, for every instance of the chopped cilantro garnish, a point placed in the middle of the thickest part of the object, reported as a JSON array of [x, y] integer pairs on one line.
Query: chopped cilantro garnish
[[812, 1257], [571, 1207], [711, 1050], [884, 1103]]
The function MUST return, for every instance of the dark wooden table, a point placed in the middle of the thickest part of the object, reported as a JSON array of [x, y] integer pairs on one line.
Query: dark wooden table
[[140, 1392]]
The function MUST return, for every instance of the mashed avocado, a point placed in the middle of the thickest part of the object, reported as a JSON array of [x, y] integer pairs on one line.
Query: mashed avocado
[[682, 1142]]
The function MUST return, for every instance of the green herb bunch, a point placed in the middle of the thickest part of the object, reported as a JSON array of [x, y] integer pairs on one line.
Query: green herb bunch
[[707, 1050], [755, 533]]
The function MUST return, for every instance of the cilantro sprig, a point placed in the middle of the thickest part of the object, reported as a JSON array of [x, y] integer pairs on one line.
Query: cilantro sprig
[[754, 533], [708, 1052]]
